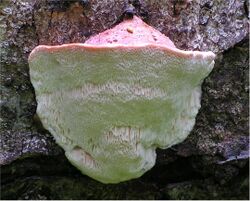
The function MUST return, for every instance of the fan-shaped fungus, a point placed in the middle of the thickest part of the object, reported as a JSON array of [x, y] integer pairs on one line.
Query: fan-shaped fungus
[[111, 101]]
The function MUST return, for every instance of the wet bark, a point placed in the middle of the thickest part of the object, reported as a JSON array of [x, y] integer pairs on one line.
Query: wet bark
[[212, 163]]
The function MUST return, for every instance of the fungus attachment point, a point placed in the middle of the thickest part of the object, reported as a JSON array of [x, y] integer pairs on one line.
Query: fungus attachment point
[[111, 101], [129, 12]]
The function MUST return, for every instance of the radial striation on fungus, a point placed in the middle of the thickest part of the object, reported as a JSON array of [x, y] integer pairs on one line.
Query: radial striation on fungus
[[111, 101]]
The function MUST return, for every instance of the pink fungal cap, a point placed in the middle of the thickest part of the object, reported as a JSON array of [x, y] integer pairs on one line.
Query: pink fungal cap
[[131, 33]]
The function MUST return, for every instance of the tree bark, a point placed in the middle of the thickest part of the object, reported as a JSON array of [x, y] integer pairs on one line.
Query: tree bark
[[212, 163]]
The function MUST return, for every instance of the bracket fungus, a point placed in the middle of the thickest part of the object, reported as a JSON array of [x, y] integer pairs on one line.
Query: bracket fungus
[[111, 101]]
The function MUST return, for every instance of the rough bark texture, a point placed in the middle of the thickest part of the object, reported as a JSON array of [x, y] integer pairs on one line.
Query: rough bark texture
[[212, 163]]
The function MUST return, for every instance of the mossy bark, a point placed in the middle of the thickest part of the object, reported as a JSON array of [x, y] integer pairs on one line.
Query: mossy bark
[[212, 163]]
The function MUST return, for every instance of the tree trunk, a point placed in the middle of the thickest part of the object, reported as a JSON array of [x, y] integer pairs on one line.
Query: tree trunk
[[212, 163]]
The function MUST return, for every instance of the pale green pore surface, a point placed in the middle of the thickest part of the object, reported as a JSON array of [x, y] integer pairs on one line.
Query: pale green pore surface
[[111, 109]]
